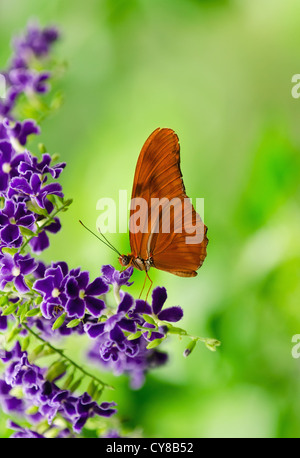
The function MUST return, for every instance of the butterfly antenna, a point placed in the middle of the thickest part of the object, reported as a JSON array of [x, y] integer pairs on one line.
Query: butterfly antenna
[[106, 242]]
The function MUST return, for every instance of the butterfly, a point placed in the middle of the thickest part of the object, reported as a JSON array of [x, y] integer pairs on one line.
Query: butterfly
[[158, 176], [158, 183]]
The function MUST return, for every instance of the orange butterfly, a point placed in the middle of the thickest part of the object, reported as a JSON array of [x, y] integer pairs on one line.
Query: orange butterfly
[[158, 176], [158, 183]]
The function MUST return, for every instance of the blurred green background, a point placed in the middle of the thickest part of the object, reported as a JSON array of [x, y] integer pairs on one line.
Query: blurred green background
[[218, 73]]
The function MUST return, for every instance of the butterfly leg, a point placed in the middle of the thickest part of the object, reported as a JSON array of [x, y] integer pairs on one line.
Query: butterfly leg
[[143, 286], [147, 276]]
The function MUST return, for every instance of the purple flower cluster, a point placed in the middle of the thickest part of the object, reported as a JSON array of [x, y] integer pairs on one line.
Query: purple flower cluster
[[70, 292], [25, 194], [114, 346], [120, 338], [46, 396], [25, 190], [20, 76]]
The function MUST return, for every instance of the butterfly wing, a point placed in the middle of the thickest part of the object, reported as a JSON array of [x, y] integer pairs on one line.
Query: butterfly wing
[[158, 179]]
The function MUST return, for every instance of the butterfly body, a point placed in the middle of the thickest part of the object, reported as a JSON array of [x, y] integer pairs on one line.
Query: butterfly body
[[136, 261]]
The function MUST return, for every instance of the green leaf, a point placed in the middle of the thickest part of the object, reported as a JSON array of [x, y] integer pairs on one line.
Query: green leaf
[[154, 343], [149, 319], [36, 209], [134, 336], [8, 250], [98, 393], [190, 347], [55, 370], [13, 333], [175, 330], [24, 309], [10, 309], [74, 323], [92, 388], [3, 301], [25, 343], [26, 231], [36, 352], [59, 321], [42, 148], [68, 381], [33, 312], [76, 385]]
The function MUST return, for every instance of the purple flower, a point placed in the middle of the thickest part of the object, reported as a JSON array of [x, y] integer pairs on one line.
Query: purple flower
[[27, 80], [8, 104], [23, 373], [116, 323], [3, 322], [15, 268], [82, 295], [21, 130], [159, 297], [41, 241], [45, 395], [114, 277], [12, 216], [135, 365], [20, 77], [36, 41], [34, 188], [31, 165], [52, 288], [86, 408], [9, 163], [15, 352], [23, 433]]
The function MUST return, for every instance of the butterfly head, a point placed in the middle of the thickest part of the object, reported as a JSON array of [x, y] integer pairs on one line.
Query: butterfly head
[[124, 260]]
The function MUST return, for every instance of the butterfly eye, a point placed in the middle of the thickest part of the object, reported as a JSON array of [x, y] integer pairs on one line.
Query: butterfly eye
[[124, 260]]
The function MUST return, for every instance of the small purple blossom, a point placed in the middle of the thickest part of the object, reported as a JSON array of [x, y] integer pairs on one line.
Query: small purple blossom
[[34, 188], [22, 432], [14, 269], [83, 295], [32, 165], [21, 130], [36, 41], [9, 162], [114, 277], [52, 288], [12, 217]]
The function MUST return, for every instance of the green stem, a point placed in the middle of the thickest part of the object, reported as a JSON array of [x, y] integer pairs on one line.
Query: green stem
[[62, 354]]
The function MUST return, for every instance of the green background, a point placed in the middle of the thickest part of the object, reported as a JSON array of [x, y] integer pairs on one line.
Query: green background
[[218, 73]]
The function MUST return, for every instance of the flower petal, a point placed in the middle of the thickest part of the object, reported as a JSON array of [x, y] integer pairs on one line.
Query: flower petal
[[75, 307], [159, 297], [171, 314], [97, 287], [95, 330], [95, 306]]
